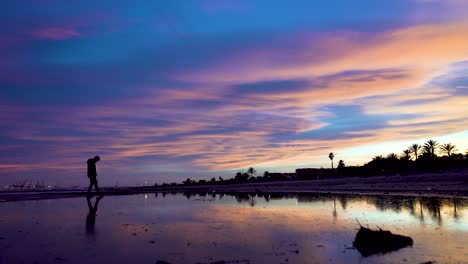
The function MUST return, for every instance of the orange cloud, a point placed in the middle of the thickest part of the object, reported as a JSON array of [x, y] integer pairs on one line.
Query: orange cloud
[[217, 127]]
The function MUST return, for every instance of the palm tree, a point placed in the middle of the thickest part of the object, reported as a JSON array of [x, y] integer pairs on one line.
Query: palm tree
[[406, 154], [251, 171], [188, 181], [377, 158], [448, 148], [331, 156], [430, 147], [415, 148], [392, 156], [341, 164]]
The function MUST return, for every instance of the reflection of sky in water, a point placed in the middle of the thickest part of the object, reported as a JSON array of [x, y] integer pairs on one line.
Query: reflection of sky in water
[[305, 229]]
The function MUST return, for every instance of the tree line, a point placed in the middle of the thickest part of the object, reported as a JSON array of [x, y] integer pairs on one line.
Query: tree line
[[430, 157], [426, 158]]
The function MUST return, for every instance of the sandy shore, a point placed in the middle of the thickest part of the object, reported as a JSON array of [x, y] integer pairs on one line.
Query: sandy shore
[[445, 184]]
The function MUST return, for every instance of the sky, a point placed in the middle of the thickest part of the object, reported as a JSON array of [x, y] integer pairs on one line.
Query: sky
[[165, 90]]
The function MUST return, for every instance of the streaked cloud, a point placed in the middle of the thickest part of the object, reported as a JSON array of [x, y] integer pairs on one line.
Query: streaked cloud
[[55, 33], [163, 105]]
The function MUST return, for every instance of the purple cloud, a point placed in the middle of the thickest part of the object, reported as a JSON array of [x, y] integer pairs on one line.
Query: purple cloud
[[55, 33]]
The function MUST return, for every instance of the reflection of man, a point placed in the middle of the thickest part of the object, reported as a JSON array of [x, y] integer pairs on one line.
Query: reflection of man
[[92, 174], [91, 217]]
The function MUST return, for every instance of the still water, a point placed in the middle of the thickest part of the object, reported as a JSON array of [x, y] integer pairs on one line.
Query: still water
[[179, 228]]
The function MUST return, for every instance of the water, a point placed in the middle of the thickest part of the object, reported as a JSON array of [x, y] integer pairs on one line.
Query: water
[[235, 229]]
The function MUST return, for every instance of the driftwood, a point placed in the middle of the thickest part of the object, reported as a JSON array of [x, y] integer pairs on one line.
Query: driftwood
[[369, 242]]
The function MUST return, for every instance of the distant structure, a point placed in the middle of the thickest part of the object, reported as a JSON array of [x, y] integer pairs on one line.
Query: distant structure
[[311, 173], [282, 175], [302, 173]]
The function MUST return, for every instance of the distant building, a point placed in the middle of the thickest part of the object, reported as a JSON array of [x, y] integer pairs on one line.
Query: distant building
[[311, 173], [282, 175], [275, 175], [290, 175]]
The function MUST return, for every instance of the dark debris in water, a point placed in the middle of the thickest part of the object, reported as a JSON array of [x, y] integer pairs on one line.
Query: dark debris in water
[[369, 242]]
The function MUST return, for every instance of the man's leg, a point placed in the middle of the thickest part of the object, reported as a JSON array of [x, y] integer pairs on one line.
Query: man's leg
[[97, 187], [90, 186]]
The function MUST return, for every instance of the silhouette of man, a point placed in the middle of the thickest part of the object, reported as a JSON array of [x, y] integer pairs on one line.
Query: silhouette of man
[[92, 175], [91, 217]]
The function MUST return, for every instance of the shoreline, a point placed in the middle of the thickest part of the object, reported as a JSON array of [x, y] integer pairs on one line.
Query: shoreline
[[5, 197], [435, 185]]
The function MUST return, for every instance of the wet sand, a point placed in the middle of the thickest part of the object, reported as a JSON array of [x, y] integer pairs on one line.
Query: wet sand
[[453, 184]]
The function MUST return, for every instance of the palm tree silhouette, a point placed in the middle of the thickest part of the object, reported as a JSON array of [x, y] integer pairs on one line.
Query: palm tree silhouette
[[430, 147], [251, 171], [448, 148], [331, 156], [377, 158], [341, 164], [406, 154], [415, 148]]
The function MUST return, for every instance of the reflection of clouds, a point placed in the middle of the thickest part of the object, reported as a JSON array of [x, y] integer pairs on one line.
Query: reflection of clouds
[[248, 217], [188, 231], [261, 233], [257, 226], [441, 211]]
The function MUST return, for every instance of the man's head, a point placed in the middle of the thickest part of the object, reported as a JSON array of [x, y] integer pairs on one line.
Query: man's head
[[97, 158]]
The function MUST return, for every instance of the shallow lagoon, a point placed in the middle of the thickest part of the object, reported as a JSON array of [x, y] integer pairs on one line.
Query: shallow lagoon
[[180, 228]]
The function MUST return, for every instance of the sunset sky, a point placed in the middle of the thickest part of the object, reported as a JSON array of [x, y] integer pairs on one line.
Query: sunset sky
[[165, 90]]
